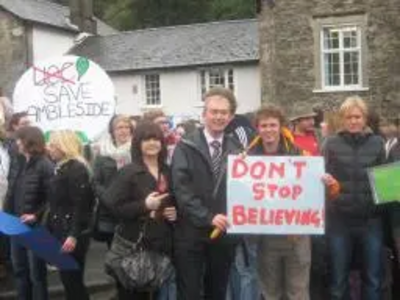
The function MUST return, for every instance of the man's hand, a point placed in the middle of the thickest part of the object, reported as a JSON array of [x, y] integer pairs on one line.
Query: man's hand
[[28, 218], [220, 222]]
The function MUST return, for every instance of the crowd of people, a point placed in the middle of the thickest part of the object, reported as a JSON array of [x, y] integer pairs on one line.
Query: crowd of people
[[156, 196]]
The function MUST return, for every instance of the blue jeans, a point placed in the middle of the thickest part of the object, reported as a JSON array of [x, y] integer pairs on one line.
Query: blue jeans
[[243, 281], [168, 289], [343, 241], [30, 273]]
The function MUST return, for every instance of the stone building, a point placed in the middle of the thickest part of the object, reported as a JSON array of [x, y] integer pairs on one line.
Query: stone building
[[320, 51], [31, 31]]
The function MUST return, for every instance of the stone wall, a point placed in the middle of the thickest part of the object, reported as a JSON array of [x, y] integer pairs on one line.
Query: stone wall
[[13, 51], [287, 50]]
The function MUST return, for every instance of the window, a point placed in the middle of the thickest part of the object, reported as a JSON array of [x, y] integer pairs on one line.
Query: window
[[341, 57], [153, 94], [340, 53], [216, 77]]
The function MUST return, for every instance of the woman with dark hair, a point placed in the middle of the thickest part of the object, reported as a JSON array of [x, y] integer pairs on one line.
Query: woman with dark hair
[[28, 199], [139, 199], [111, 155]]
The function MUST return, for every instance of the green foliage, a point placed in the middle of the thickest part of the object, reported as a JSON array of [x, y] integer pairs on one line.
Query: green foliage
[[135, 14]]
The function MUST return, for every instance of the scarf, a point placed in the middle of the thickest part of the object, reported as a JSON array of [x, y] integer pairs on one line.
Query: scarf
[[121, 154]]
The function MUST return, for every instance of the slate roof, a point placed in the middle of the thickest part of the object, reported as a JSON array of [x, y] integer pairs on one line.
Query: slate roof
[[48, 13], [173, 47]]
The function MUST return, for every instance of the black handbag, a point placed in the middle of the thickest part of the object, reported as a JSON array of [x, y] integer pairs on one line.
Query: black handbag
[[135, 267]]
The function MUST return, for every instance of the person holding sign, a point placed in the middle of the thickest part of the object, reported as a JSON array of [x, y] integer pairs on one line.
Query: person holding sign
[[199, 185], [71, 200], [284, 261], [351, 219]]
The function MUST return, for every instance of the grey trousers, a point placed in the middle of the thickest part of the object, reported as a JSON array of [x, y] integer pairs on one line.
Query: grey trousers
[[284, 267]]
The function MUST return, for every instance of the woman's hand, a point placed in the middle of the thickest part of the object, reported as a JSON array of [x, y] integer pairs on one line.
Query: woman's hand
[[28, 218], [154, 200], [328, 180], [332, 185], [69, 245], [170, 214]]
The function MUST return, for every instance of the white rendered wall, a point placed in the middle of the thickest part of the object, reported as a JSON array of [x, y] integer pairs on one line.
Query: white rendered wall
[[49, 42], [180, 91]]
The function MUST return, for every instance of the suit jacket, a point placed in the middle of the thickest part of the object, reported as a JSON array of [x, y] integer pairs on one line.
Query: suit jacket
[[198, 194]]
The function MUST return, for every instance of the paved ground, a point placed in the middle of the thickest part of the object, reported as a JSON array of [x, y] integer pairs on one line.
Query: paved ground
[[100, 285]]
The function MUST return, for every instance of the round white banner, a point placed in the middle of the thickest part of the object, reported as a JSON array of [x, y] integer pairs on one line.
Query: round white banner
[[68, 92]]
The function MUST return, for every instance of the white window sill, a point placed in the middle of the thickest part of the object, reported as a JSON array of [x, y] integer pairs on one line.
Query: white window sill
[[147, 107], [198, 104], [341, 90]]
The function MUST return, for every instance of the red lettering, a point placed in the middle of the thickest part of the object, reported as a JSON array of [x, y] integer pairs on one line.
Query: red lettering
[[297, 190], [263, 217], [239, 168], [279, 169], [315, 219], [272, 189], [257, 170], [284, 192], [272, 215], [279, 217], [258, 191], [239, 216], [252, 216], [299, 165], [306, 217], [289, 216], [298, 217]]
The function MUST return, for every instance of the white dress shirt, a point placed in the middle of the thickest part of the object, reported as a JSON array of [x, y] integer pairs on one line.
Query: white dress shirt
[[211, 139]]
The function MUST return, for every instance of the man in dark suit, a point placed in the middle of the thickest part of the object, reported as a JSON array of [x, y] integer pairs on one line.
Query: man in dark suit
[[199, 186]]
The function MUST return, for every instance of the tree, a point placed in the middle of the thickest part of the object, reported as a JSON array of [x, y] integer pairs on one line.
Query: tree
[[231, 9], [136, 14]]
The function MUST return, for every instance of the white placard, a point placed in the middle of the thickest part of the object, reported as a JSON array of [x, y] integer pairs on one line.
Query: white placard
[[68, 92]]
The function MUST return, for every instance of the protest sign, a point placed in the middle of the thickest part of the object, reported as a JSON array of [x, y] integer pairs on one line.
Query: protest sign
[[384, 183], [68, 92], [37, 239], [276, 195]]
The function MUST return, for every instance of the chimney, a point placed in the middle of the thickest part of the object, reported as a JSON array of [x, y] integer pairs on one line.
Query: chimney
[[81, 15]]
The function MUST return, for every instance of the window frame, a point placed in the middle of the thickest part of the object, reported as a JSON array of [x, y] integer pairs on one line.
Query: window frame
[[229, 79], [341, 50], [156, 93], [341, 24]]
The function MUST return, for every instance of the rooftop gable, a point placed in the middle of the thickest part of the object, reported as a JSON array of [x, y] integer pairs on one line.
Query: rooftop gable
[[47, 13], [175, 46]]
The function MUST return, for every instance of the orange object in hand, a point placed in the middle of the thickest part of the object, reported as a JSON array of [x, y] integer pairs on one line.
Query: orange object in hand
[[334, 190]]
